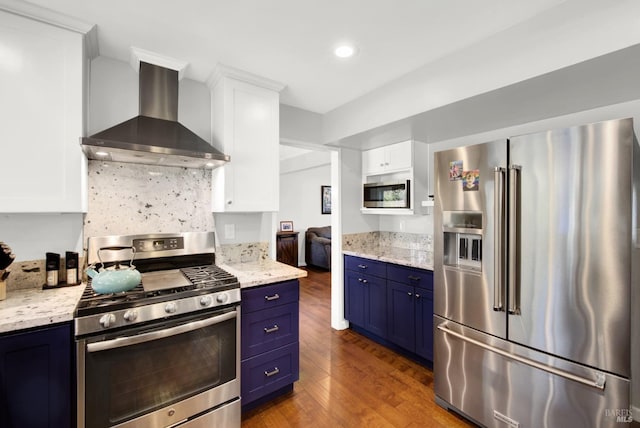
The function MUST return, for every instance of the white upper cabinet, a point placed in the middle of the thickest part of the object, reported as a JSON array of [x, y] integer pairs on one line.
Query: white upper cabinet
[[391, 158], [245, 112], [42, 166]]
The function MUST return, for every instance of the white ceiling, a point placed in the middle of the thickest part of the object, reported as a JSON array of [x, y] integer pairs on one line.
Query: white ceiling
[[291, 41]]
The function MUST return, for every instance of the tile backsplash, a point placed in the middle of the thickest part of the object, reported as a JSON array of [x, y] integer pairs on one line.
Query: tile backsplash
[[129, 198]]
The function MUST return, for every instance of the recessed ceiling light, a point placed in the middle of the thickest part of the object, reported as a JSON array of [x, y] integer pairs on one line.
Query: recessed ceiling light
[[102, 154], [344, 51], [209, 164]]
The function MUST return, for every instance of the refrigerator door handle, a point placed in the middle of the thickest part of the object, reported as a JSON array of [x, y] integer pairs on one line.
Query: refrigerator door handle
[[498, 284], [598, 383], [514, 238]]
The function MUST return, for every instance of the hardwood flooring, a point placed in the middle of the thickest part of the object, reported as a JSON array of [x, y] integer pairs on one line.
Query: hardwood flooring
[[347, 380]]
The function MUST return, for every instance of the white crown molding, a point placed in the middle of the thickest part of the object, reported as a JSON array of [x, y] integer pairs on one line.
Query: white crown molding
[[154, 58], [47, 16], [222, 70]]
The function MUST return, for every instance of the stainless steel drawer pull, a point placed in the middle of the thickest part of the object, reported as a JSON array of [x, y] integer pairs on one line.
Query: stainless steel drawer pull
[[598, 383], [274, 297], [273, 372], [414, 278], [364, 281], [362, 266], [409, 294], [272, 329]]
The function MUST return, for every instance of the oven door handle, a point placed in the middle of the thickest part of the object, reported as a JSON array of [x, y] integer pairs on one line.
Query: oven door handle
[[161, 334]]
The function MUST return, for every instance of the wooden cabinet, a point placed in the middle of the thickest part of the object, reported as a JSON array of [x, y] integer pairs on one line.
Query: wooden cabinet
[[391, 158], [245, 125], [37, 378], [393, 302], [287, 248], [366, 294], [41, 82], [270, 355]]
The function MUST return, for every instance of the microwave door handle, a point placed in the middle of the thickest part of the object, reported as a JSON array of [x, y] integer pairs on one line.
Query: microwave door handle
[[498, 284], [514, 238], [121, 342]]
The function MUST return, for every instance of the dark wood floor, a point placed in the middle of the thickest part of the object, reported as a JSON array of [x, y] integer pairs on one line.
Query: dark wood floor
[[347, 380]]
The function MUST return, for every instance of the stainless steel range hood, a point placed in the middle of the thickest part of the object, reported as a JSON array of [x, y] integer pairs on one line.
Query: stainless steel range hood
[[154, 137]]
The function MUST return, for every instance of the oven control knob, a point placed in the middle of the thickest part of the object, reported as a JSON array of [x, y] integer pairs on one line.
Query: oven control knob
[[170, 308], [131, 315], [205, 300], [222, 298], [107, 319]]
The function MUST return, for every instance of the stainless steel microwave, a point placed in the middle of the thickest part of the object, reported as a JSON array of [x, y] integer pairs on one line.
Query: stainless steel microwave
[[387, 195]]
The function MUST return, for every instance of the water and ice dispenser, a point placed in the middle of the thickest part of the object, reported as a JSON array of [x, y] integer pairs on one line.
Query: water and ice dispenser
[[462, 239]]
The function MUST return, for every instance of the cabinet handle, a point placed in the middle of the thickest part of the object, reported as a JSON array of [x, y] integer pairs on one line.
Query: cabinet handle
[[409, 294], [362, 266], [273, 372], [364, 281], [414, 278], [417, 296], [270, 298], [229, 202], [272, 329]]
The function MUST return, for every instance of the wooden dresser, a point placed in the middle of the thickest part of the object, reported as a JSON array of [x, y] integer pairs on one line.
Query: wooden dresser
[[287, 248]]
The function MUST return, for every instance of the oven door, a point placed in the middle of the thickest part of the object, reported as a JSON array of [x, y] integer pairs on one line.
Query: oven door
[[161, 374]]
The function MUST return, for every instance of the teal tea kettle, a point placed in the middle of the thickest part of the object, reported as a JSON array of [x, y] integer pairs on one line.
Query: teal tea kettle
[[114, 279]]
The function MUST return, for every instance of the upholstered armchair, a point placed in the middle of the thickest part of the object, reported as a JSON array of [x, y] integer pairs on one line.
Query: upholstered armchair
[[317, 247]]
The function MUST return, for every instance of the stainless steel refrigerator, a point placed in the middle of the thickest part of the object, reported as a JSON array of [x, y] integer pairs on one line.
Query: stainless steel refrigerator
[[533, 258]]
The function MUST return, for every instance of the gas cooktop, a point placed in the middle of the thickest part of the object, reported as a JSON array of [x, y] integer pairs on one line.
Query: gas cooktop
[[178, 278]]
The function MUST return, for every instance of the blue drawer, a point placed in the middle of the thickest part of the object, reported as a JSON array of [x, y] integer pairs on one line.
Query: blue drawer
[[269, 329], [269, 296], [410, 276], [368, 266], [268, 372]]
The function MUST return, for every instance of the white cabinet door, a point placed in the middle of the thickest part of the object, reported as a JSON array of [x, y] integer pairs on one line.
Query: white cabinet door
[[391, 158], [373, 161], [399, 156], [246, 125], [41, 81]]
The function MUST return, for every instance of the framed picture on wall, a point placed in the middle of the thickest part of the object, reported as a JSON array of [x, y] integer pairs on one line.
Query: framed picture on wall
[[286, 226], [326, 199]]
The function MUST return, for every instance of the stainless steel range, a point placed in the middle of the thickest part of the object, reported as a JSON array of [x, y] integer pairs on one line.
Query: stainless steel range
[[167, 352]]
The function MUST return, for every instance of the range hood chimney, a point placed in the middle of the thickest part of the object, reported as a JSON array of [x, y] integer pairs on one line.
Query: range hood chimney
[[154, 137]]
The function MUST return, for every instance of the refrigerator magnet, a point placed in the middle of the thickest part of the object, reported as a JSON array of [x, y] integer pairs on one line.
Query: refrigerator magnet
[[470, 180], [455, 170]]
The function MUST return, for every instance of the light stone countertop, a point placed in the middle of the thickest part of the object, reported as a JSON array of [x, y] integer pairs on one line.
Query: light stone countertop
[[28, 308], [401, 256], [260, 272]]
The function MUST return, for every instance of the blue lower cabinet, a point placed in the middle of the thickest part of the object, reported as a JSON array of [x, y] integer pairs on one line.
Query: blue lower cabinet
[[270, 348], [393, 302], [36, 378]]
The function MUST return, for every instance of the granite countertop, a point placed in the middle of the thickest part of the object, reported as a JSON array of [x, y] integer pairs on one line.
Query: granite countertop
[[34, 307], [401, 256], [254, 273]]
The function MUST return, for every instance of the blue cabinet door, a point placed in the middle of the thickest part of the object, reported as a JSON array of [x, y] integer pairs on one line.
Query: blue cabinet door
[[354, 298], [36, 378], [401, 315], [424, 323], [366, 302]]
